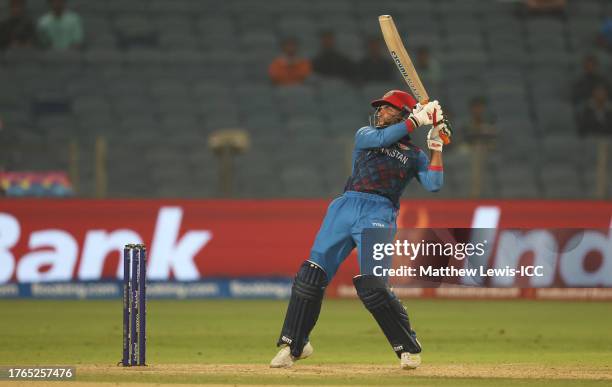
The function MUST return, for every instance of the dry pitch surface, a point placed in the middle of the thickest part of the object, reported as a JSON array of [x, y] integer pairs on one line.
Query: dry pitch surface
[[512, 371], [356, 374]]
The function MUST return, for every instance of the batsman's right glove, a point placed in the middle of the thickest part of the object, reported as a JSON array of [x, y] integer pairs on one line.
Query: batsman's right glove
[[439, 135]]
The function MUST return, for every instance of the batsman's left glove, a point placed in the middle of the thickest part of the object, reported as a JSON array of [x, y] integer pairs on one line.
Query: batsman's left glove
[[427, 114]]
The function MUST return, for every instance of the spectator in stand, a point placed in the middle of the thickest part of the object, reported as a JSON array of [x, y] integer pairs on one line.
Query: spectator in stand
[[289, 68], [375, 65], [18, 29], [480, 129], [329, 61], [546, 7], [596, 115], [583, 87], [428, 68], [60, 29], [605, 36], [595, 120]]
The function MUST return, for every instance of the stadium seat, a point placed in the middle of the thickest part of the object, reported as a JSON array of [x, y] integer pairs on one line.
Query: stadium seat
[[91, 105], [525, 189], [550, 56], [495, 21], [562, 147], [514, 89], [561, 180], [178, 41], [288, 25], [137, 122], [545, 27], [176, 8], [554, 112], [183, 106], [263, 121], [421, 39], [220, 24], [301, 181], [169, 89], [586, 8]]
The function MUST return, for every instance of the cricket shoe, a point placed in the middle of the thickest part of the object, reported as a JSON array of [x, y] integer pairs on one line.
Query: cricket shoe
[[410, 361], [284, 359]]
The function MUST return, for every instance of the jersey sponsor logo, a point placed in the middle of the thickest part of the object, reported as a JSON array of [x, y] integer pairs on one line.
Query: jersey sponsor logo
[[375, 224]]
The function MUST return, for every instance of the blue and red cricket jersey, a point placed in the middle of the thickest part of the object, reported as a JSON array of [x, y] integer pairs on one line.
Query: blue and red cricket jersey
[[384, 162]]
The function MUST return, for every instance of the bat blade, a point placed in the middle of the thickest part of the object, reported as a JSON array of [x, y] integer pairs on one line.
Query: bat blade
[[401, 58]]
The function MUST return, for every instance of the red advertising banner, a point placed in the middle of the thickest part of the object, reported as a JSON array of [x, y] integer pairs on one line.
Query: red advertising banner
[[80, 240]]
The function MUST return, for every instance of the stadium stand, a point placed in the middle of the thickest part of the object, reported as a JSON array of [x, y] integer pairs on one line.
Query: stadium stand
[[155, 78]]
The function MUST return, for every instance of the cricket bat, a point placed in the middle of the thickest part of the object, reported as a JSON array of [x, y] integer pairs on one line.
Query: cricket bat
[[401, 58], [403, 62]]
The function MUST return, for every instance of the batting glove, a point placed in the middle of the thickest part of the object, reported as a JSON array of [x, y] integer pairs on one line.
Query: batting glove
[[417, 108], [427, 114], [439, 135]]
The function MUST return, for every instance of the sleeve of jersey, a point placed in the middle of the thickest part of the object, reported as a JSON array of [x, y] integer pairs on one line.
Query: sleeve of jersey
[[431, 177], [369, 137]]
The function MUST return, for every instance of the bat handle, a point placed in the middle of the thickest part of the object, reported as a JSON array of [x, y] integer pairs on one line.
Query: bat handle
[[445, 139]]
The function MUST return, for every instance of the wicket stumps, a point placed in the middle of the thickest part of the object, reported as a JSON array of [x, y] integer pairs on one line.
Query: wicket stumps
[[134, 305]]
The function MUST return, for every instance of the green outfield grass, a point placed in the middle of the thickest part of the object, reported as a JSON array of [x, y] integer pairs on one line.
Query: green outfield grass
[[484, 335]]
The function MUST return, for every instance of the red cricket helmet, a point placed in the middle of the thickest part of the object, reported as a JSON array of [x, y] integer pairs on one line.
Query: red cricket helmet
[[396, 98]]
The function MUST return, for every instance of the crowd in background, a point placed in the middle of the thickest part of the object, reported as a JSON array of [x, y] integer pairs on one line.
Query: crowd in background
[[590, 94], [62, 29], [290, 68], [59, 28]]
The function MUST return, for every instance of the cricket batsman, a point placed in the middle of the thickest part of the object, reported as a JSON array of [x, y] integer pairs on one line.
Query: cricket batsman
[[384, 162]]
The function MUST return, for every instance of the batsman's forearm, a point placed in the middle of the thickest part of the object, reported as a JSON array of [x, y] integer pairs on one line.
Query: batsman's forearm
[[370, 137], [431, 173], [432, 179], [436, 159]]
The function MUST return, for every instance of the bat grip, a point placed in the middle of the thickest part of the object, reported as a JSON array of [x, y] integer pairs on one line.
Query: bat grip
[[445, 139]]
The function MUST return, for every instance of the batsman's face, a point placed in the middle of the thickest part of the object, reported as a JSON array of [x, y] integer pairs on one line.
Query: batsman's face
[[386, 115]]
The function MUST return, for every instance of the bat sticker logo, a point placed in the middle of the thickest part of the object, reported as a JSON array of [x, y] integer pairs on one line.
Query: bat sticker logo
[[399, 64], [404, 73]]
